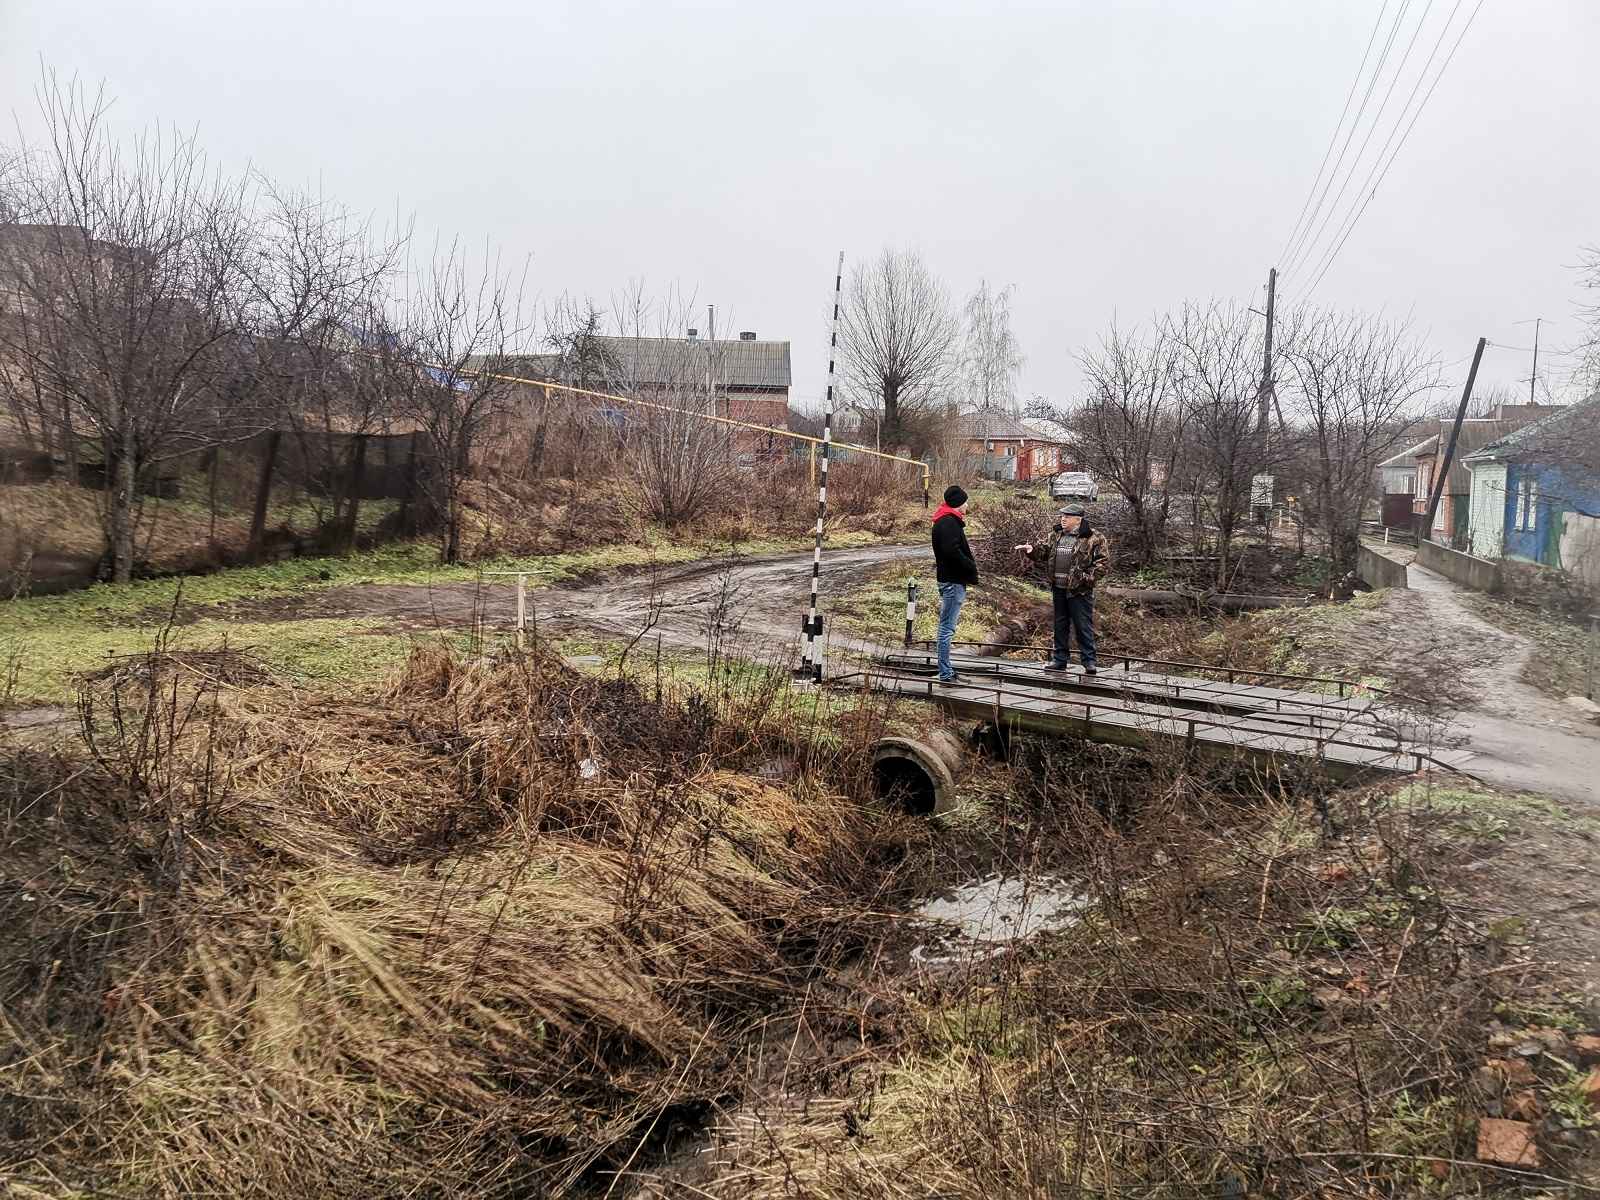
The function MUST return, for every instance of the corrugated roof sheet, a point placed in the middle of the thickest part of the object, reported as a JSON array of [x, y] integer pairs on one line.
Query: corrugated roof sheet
[[1050, 431], [1406, 457], [1475, 434], [991, 423], [682, 361], [666, 362], [1545, 434]]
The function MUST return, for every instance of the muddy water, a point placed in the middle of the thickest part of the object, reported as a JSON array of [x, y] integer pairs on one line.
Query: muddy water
[[34, 718], [986, 916]]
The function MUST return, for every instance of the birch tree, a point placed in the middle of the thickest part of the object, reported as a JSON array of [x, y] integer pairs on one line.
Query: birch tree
[[990, 356]]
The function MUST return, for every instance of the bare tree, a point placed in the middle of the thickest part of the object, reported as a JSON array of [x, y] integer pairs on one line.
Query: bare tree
[[322, 346], [990, 357], [1354, 383], [578, 355], [1218, 364], [1130, 428], [1586, 376], [682, 463], [897, 340], [461, 326], [127, 289]]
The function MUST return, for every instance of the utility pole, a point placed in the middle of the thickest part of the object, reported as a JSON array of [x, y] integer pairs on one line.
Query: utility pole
[[1533, 379], [1450, 451], [1537, 322], [1261, 482], [1264, 401]]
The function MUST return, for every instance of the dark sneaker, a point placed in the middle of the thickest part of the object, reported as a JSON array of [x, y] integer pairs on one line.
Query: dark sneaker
[[1090, 671], [1056, 666], [950, 679]]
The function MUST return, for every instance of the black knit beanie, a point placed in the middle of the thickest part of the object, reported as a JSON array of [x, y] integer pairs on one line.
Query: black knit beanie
[[954, 496]]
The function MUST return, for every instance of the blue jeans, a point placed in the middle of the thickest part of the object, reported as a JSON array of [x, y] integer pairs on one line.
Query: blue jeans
[[1074, 615], [951, 597]]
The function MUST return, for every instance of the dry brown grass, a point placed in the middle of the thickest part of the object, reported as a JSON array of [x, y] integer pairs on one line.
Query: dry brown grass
[[1247, 1008], [282, 945]]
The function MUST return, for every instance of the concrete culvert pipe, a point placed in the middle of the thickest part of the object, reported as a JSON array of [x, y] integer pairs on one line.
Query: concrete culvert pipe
[[919, 776]]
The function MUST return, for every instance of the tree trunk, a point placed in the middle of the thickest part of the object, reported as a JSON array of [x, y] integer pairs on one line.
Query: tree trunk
[[122, 507], [258, 519], [357, 479]]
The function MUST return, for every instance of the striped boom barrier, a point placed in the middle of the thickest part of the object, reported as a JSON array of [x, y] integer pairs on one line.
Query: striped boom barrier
[[811, 658], [911, 608]]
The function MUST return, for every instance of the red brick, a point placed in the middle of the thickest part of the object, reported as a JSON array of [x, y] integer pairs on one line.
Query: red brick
[[1509, 1143]]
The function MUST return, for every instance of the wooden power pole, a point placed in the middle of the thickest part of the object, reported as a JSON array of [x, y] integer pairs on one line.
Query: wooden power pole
[[1264, 401], [1437, 490]]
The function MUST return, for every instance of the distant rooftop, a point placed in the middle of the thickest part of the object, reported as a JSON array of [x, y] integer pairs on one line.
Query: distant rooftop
[[991, 423]]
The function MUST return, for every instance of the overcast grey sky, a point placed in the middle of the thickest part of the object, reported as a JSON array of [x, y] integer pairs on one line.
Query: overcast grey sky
[[1104, 156]]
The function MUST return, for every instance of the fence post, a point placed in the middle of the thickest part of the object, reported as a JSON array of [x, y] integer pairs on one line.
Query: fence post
[[258, 518], [1594, 638], [522, 610], [911, 608]]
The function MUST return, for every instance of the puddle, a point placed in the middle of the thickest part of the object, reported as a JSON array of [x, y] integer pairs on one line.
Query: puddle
[[33, 718], [990, 915]]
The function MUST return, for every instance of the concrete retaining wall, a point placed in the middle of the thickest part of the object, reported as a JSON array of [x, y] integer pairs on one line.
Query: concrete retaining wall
[[1379, 570], [1480, 574]]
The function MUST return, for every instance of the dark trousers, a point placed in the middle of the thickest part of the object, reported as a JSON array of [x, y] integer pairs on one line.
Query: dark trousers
[[1074, 614]]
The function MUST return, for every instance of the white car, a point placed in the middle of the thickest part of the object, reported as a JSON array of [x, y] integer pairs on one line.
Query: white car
[[1074, 485]]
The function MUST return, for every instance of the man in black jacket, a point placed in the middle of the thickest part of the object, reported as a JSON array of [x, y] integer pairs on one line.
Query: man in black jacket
[[954, 568]]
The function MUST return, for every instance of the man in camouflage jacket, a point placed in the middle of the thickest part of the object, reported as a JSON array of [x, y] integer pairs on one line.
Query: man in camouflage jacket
[[1075, 558]]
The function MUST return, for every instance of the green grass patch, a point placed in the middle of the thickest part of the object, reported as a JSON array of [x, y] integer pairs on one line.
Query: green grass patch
[[876, 609], [51, 638]]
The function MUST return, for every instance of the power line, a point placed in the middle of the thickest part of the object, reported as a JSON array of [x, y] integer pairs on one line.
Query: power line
[[1366, 97], [1283, 255], [1309, 246], [1401, 146], [1367, 187]]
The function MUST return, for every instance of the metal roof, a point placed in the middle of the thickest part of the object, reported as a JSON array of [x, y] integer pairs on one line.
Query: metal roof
[[990, 423], [1545, 434], [1048, 430], [1475, 434], [1426, 446], [625, 362], [734, 364]]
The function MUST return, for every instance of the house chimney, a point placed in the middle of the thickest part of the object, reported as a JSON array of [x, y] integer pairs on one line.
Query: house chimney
[[693, 334], [749, 335]]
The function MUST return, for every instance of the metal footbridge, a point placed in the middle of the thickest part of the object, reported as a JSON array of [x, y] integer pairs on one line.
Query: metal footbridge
[[1345, 736]]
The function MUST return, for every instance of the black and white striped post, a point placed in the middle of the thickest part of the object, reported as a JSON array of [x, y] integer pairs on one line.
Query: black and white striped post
[[811, 658], [911, 608]]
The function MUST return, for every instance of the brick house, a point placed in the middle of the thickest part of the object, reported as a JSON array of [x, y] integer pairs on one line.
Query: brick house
[[746, 379], [1002, 447]]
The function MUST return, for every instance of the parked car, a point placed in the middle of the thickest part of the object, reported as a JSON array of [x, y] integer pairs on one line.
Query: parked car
[[1074, 485]]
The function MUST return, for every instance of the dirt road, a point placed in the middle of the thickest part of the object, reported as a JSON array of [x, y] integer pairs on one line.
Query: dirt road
[[1521, 738], [754, 602]]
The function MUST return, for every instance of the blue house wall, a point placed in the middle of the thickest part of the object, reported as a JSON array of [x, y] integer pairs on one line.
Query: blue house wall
[[1558, 492]]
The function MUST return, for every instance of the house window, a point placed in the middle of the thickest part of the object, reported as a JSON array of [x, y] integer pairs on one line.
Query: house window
[[1522, 507], [1011, 451], [1530, 489]]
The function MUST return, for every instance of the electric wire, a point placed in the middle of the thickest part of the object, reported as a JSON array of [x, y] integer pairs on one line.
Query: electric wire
[[1369, 187], [1309, 251], [1283, 255], [1366, 98]]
